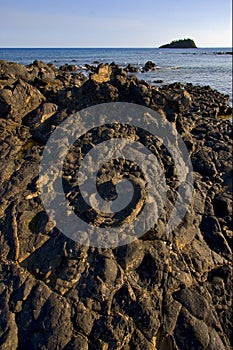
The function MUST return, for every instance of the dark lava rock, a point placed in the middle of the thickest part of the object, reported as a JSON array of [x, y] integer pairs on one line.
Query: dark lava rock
[[68, 68], [11, 71], [158, 81], [19, 100], [43, 73], [223, 53], [162, 291], [131, 69], [90, 68], [149, 66]]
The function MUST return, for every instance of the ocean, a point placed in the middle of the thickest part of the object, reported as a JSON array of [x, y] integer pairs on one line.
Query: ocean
[[200, 66]]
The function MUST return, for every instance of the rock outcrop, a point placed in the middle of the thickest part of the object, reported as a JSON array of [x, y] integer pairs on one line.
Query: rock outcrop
[[149, 66], [180, 44], [223, 53], [163, 291]]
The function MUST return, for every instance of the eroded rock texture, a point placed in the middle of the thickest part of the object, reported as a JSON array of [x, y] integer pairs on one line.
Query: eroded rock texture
[[160, 292]]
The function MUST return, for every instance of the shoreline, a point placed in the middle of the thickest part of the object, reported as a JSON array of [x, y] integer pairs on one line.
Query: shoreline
[[148, 292], [199, 67], [140, 71]]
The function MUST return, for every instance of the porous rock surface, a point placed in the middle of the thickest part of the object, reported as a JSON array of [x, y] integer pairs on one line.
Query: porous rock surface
[[160, 292]]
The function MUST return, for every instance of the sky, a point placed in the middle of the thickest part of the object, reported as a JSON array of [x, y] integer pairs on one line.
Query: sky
[[114, 23]]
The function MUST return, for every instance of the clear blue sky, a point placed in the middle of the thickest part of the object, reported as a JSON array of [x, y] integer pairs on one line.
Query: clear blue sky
[[118, 23]]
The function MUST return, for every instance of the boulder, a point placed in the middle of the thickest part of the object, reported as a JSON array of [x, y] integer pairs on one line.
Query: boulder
[[103, 74], [41, 114], [68, 68], [131, 69], [19, 100], [11, 71], [149, 66], [158, 81]]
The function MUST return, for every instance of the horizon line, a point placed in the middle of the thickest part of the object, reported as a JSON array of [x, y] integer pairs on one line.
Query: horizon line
[[110, 47]]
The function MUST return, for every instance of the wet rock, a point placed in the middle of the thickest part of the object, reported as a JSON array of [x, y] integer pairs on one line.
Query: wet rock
[[223, 53], [149, 66], [131, 69], [158, 81], [91, 68]]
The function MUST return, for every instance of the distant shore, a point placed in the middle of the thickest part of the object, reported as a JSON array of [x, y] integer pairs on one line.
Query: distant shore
[[180, 44]]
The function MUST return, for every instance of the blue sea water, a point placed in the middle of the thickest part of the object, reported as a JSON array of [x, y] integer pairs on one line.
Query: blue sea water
[[197, 66]]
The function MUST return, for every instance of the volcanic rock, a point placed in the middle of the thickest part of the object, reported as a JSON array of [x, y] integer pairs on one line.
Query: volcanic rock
[[163, 290], [149, 66]]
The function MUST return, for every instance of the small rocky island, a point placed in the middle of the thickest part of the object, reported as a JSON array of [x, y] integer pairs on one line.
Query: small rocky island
[[180, 44]]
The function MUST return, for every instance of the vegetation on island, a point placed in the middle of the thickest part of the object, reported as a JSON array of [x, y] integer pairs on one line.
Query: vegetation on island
[[180, 44]]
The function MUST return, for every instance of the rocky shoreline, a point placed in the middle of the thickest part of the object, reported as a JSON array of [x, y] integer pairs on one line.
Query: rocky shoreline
[[159, 292]]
